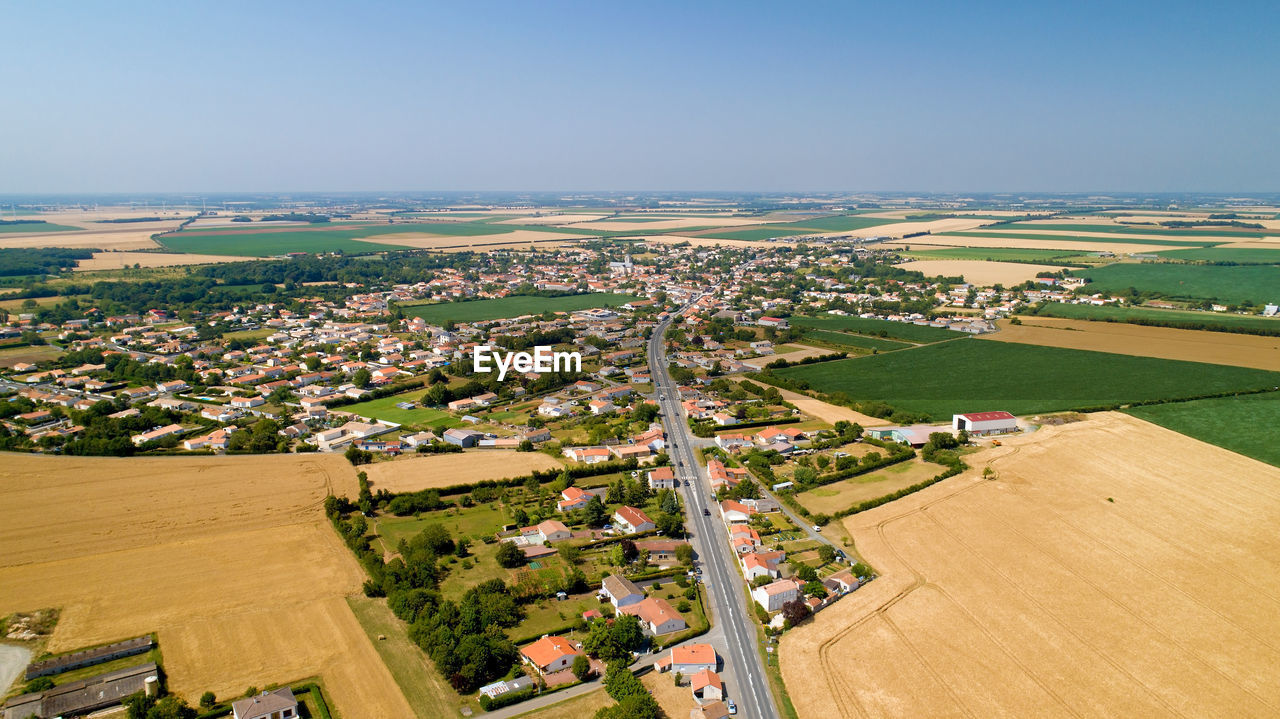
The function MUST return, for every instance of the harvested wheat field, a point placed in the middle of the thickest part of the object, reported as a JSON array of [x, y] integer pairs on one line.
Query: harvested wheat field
[[550, 219], [980, 272], [433, 471], [124, 239], [1112, 568], [118, 260], [829, 413], [1165, 342], [701, 241], [670, 223], [230, 560]]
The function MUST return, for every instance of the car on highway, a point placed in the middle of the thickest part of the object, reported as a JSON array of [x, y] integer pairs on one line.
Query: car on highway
[[733, 708], [706, 512]]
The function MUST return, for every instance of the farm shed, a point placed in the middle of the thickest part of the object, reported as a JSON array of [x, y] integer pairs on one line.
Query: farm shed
[[981, 423]]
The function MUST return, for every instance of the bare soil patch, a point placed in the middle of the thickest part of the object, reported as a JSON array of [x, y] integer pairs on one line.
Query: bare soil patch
[[793, 356], [229, 559], [830, 413], [980, 272], [1165, 342], [1112, 568], [414, 473]]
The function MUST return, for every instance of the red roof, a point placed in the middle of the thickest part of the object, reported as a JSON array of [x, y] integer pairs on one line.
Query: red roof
[[633, 516], [986, 416], [548, 649]]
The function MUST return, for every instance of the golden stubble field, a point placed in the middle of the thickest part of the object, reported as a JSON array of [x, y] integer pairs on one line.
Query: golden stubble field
[[1165, 342], [230, 560], [979, 272], [435, 471], [1113, 568]]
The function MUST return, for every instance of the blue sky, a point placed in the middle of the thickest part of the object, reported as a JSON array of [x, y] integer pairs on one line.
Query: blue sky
[[228, 96]]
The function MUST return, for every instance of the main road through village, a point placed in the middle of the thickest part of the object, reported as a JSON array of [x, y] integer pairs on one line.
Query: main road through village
[[735, 639]]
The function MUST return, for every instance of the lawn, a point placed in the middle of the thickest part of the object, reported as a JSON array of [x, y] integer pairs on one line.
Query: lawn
[[385, 409], [1001, 254], [847, 340], [1185, 319], [974, 376], [877, 328], [1242, 255], [1245, 424], [505, 307], [31, 354], [425, 690], [585, 705], [480, 520], [26, 227], [1230, 284], [837, 496]]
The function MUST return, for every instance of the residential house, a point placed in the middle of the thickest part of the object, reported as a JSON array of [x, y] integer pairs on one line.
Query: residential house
[[620, 591], [656, 615], [773, 595], [662, 478], [277, 704], [632, 521], [550, 654], [575, 498], [706, 685], [691, 659], [587, 455]]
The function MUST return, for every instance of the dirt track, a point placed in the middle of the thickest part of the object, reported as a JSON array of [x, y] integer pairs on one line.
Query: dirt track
[[1035, 595], [229, 559]]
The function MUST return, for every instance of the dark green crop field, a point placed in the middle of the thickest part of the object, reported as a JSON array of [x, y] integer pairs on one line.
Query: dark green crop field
[[1242, 255], [974, 375], [1184, 319], [28, 227], [843, 339], [1230, 284], [877, 328], [1139, 230], [1041, 239], [257, 243], [505, 307], [1245, 424], [1002, 254]]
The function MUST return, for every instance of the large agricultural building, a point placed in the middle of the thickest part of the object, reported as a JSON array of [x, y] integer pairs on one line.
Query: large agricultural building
[[981, 423]]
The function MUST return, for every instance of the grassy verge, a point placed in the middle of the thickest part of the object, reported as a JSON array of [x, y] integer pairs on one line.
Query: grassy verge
[[422, 686]]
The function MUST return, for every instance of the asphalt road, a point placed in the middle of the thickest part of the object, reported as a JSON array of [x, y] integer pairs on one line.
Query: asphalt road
[[746, 682]]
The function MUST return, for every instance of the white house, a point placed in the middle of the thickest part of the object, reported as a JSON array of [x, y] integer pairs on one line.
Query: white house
[[632, 521], [550, 654], [620, 591], [773, 595], [277, 704], [662, 478]]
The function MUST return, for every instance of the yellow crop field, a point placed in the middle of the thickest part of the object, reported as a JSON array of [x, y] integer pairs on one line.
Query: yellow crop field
[[1111, 568], [230, 560]]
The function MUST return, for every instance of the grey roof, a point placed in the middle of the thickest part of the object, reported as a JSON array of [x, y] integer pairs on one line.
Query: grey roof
[[84, 696], [618, 587], [263, 704]]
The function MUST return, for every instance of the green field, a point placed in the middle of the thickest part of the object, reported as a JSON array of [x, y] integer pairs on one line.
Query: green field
[[344, 237], [974, 375], [505, 307], [27, 227], [1042, 239], [847, 340], [1001, 254], [844, 223], [385, 409], [1242, 255], [1245, 424], [761, 233], [1138, 230], [877, 328], [1256, 283], [1151, 315]]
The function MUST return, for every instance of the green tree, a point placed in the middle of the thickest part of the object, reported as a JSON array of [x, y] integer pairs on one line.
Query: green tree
[[361, 378], [509, 555], [826, 553], [208, 699], [595, 514], [581, 667]]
